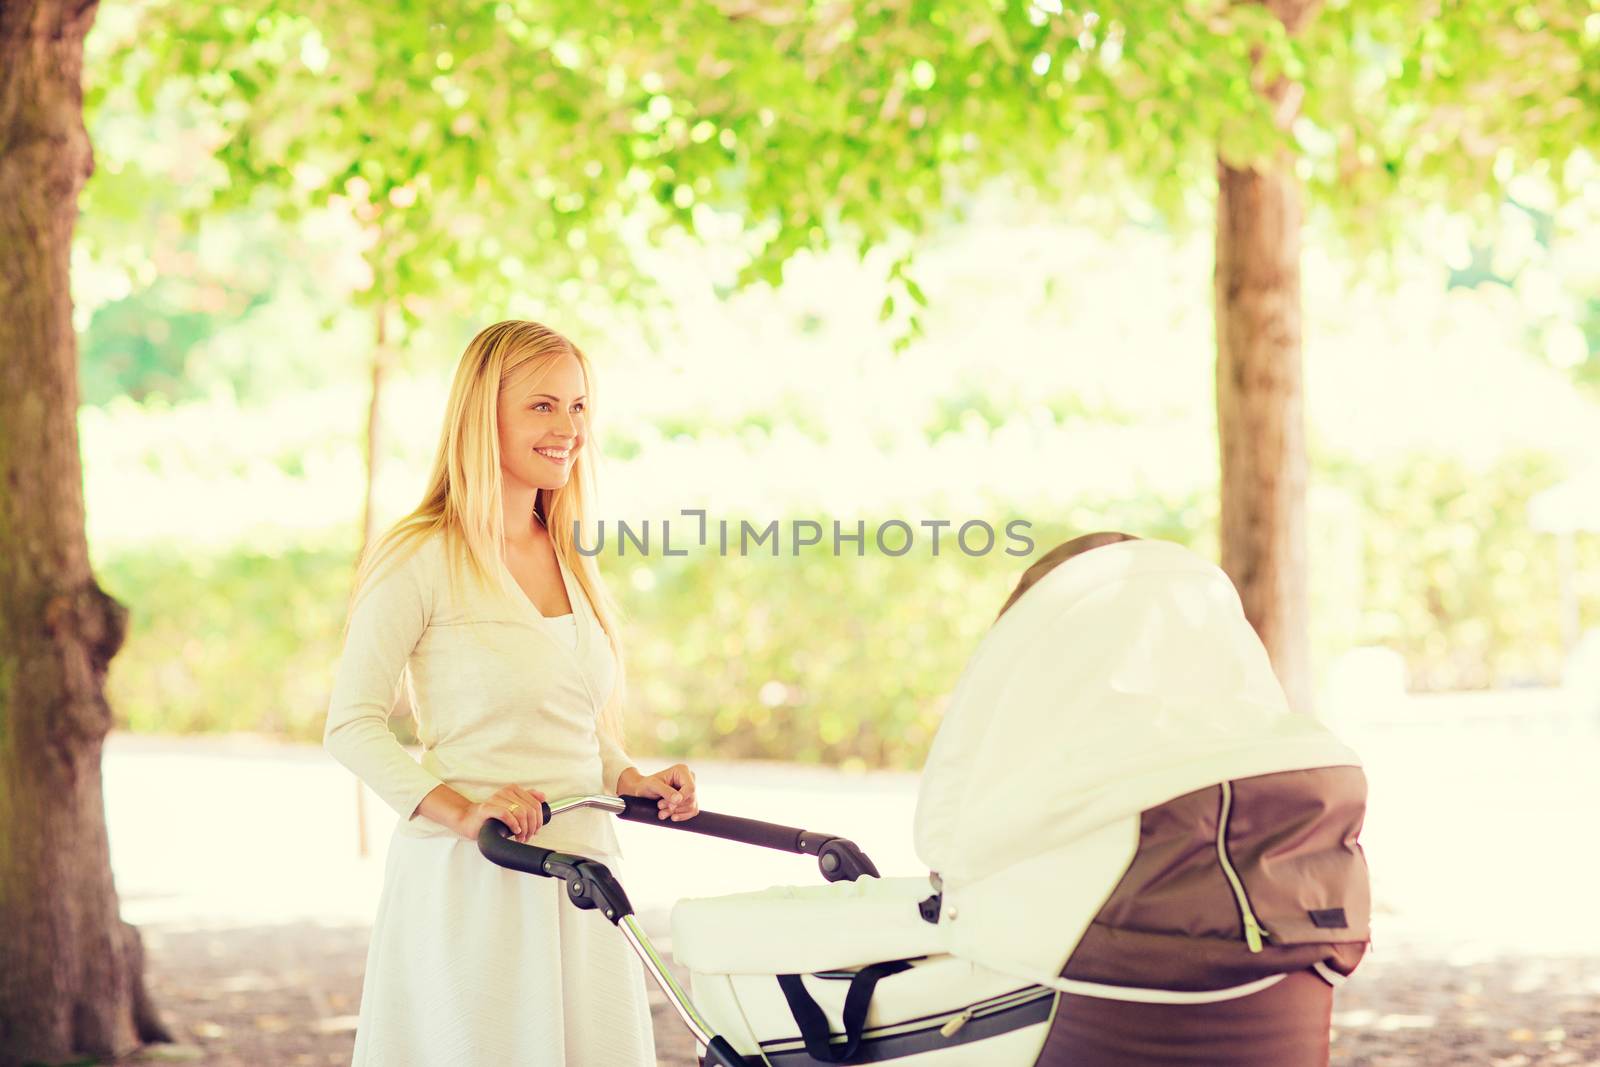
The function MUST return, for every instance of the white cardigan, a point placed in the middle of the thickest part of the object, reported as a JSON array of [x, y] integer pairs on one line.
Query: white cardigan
[[499, 697]]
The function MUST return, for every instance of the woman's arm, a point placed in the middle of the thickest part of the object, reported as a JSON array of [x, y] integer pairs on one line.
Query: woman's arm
[[389, 619], [514, 805], [614, 762], [615, 766], [445, 806]]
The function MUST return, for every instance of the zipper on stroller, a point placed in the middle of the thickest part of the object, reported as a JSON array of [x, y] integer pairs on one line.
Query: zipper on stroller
[[989, 1007], [1253, 930]]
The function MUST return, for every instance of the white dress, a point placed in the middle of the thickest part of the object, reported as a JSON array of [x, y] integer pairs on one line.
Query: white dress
[[472, 964]]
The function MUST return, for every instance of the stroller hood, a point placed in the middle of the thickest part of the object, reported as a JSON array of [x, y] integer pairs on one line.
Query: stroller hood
[[1124, 677]]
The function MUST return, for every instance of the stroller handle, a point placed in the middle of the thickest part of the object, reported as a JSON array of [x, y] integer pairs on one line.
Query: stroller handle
[[592, 887], [590, 884], [840, 859]]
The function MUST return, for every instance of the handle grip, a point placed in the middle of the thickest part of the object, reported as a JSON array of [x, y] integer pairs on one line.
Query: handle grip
[[495, 842], [590, 885], [729, 827], [839, 858]]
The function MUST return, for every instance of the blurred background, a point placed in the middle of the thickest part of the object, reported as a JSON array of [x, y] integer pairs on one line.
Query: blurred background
[[1065, 380], [1063, 376], [298, 221]]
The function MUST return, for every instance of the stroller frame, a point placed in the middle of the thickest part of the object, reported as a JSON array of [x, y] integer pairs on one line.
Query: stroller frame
[[591, 885]]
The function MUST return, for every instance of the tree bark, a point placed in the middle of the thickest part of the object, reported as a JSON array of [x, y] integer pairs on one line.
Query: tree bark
[[1260, 401], [72, 981], [380, 366]]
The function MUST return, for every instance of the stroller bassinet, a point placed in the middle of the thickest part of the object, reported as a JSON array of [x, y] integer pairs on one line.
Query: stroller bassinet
[[1134, 842]]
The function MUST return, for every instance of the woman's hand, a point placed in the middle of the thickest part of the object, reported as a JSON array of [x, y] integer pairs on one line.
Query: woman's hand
[[524, 821], [673, 789]]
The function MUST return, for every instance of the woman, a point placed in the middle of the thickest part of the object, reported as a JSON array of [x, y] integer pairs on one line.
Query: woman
[[509, 645]]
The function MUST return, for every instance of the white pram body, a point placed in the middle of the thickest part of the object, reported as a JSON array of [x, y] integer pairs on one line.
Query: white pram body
[[1125, 681], [957, 1010]]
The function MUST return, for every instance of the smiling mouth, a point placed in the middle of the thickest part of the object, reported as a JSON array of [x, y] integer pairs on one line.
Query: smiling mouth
[[555, 455]]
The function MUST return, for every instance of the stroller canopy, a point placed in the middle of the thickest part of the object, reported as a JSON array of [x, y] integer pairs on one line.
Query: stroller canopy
[[1124, 677]]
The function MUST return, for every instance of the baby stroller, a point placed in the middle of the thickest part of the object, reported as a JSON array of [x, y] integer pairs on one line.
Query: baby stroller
[[1137, 851]]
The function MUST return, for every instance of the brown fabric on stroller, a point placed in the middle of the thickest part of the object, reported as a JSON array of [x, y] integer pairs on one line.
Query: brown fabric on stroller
[[1174, 921], [1285, 1025]]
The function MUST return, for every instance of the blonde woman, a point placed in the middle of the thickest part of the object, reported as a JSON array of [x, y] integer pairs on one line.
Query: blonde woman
[[508, 642]]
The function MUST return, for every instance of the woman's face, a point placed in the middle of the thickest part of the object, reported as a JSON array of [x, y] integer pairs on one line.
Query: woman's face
[[542, 424]]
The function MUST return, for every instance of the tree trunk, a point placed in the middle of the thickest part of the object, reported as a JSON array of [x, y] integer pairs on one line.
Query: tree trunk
[[1260, 403], [72, 981], [380, 365]]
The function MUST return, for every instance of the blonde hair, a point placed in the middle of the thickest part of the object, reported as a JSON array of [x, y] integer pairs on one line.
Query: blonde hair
[[463, 500]]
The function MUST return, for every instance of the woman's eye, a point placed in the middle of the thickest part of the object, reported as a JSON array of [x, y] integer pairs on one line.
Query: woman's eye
[[578, 406], [541, 406]]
